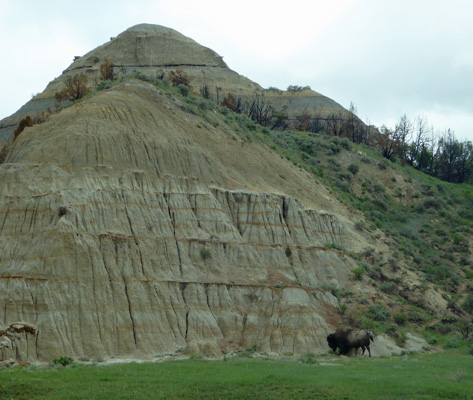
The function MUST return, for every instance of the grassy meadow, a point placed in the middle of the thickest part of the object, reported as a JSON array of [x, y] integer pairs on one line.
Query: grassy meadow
[[442, 375]]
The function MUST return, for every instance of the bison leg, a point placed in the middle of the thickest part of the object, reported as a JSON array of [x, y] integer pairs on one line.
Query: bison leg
[[363, 352], [369, 351]]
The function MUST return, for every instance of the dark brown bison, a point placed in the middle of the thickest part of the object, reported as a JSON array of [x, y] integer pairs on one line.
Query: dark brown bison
[[347, 339]]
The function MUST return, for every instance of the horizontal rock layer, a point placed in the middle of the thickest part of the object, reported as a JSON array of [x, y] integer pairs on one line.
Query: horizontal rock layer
[[139, 264], [123, 233]]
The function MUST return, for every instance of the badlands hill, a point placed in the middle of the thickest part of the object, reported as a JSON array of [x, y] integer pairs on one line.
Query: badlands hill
[[140, 222], [128, 230], [154, 50]]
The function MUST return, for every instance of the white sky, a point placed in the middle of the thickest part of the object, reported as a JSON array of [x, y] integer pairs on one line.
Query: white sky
[[388, 57]]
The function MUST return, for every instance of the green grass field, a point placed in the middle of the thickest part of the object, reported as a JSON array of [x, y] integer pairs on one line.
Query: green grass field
[[443, 375]]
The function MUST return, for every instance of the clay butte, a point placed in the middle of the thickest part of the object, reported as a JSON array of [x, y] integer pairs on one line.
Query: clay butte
[[133, 228], [153, 50]]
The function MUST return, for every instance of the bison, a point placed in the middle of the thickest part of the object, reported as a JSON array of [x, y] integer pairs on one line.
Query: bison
[[347, 339]]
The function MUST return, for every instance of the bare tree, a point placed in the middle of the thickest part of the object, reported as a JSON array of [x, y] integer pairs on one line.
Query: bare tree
[[75, 88], [179, 77], [106, 70], [352, 126], [260, 111], [419, 144], [302, 122], [387, 142], [404, 132], [233, 103]]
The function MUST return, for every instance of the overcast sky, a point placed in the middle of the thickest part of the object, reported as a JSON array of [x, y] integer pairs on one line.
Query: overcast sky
[[388, 57]]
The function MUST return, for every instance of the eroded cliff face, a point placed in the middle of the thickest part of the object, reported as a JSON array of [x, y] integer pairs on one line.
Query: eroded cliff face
[[125, 230]]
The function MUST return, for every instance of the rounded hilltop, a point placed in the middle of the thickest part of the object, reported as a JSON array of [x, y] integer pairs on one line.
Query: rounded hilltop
[[155, 51]]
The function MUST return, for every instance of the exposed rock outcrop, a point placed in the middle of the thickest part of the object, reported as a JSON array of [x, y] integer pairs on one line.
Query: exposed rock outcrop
[[125, 230], [154, 50]]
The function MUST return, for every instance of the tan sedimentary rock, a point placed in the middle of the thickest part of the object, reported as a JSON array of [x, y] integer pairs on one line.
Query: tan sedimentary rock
[[125, 230]]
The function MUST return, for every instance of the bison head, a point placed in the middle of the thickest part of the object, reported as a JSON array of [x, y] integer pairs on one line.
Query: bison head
[[332, 342]]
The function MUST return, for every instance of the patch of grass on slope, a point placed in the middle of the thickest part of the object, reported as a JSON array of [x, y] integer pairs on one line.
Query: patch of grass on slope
[[433, 376]]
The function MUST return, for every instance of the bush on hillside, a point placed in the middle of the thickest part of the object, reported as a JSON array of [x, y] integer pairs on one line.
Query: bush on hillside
[[76, 87], [24, 123], [179, 77], [106, 70], [379, 313], [296, 88], [183, 89], [358, 273], [354, 168]]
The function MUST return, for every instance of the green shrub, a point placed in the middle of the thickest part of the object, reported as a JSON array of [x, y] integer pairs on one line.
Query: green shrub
[[334, 165], [468, 304], [334, 149], [359, 225], [388, 287], [440, 328], [248, 352], [345, 176], [63, 360], [368, 323], [141, 76], [383, 164], [162, 83], [375, 273], [400, 318], [430, 203], [345, 143], [451, 344], [102, 85], [334, 246], [296, 88], [439, 273], [379, 313], [354, 168], [358, 273], [183, 89], [378, 188], [205, 253], [342, 309]]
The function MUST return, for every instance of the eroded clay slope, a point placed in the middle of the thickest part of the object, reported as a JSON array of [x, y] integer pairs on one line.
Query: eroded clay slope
[[125, 230]]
